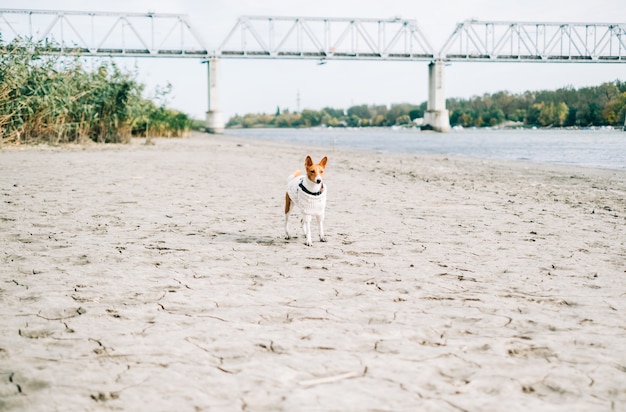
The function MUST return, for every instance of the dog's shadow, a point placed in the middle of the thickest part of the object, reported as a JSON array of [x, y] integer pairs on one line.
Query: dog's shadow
[[251, 239], [261, 240]]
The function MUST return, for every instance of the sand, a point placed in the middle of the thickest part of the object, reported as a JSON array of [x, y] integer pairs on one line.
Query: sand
[[156, 277]]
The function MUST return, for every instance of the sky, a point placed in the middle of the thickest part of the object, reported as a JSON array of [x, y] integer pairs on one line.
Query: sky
[[262, 86]]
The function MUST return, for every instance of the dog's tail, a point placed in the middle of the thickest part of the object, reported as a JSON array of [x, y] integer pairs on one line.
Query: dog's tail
[[294, 175]]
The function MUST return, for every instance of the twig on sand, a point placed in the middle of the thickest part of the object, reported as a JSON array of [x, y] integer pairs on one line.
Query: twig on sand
[[331, 379]]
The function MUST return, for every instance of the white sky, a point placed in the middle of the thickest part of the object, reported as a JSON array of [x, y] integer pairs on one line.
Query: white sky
[[253, 86]]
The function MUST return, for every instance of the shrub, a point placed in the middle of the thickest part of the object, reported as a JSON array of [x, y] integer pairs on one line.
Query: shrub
[[53, 99]]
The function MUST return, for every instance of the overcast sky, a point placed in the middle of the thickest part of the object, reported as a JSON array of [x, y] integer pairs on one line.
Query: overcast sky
[[254, 86]]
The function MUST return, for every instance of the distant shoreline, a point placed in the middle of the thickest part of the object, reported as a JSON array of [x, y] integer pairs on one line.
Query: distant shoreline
[[498, 127]]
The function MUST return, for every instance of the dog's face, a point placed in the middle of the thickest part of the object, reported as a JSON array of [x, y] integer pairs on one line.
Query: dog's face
[[315, 172]]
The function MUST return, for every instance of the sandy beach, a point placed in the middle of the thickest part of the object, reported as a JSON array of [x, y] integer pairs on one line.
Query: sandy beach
[[156, 278]]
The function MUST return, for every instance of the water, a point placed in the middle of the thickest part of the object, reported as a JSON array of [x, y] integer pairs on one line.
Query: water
[[599, 148]]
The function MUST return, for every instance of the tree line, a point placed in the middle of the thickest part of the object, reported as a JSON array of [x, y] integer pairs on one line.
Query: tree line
[[603, 105], [55, 99]]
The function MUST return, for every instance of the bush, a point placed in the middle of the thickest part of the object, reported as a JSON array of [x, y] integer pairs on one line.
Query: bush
[[53, 99]]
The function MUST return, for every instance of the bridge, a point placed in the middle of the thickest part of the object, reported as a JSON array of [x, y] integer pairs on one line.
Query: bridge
[[320, 38]]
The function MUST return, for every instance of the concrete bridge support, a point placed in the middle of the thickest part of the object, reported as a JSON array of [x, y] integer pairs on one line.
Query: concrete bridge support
[[214, 117], [436, 115]]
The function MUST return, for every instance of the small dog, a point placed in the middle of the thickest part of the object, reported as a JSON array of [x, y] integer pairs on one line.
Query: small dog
[[307, 193]]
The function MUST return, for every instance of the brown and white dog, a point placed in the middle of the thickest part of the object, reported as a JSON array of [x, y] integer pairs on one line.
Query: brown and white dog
[[308, 194]]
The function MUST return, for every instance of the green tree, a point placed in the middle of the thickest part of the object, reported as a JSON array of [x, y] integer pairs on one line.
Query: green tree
[[560, 113], [398, 110], [379, 120], [416, 114], [361, 111], [336, 113], [329, 120], [311, 118], [546, 114], [235, 121], [354, 121], [403, 120], [615, 110]]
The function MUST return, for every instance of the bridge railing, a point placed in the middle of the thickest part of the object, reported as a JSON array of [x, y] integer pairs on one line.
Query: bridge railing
[[475, 40], [102, 33], [325, 38]]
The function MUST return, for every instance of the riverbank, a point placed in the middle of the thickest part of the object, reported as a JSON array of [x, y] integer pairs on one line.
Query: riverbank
[[155, 277]]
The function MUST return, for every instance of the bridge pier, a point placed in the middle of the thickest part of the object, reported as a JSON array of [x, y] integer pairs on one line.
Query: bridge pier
[[436, 115], [214, 117]]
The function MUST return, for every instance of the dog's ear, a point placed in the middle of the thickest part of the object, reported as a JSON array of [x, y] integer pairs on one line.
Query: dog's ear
[[308, 162], [323, 161]]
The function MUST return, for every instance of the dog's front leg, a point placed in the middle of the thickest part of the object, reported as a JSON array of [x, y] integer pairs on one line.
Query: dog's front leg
[[306, 225], [320, 225], [288, 207], [287, 225]]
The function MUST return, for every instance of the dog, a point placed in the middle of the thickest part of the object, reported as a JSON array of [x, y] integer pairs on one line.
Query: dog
[[308, 194]]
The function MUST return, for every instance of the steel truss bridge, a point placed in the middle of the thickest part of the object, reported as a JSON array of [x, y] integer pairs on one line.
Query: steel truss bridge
[[104, 34], [326, 38], [475, 40], [173, 35], [257, 37]]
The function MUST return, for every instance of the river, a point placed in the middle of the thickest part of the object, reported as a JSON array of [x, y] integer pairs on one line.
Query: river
[[599, 148]]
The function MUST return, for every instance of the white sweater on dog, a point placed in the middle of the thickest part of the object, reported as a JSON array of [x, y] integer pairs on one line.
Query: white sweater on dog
[[309, 203]]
